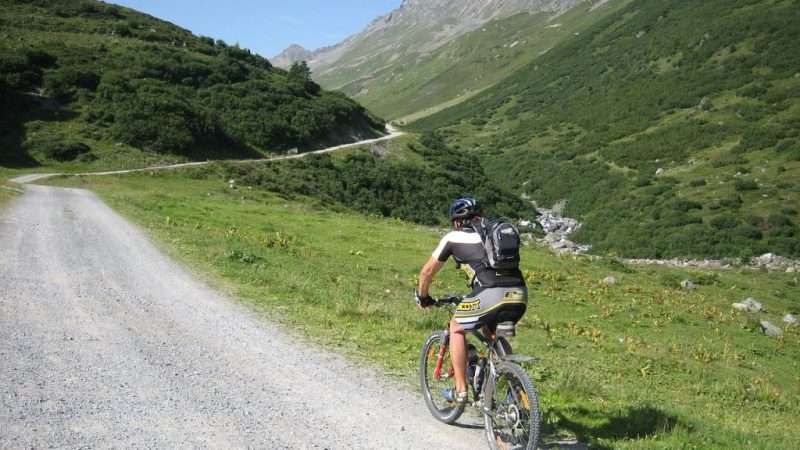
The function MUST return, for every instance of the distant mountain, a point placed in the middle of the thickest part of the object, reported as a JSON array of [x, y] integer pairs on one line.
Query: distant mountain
[[90, 83], [670, 128], [294, 53], [366, 65]]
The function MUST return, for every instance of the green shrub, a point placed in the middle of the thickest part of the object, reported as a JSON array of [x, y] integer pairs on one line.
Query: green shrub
[[724, 221], [745, 185], [63, 150]]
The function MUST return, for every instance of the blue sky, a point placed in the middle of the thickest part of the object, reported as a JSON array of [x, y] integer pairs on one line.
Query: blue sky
[[267, 27]]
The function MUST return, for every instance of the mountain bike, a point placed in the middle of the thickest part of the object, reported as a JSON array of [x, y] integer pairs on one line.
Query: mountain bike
[[498, 385]]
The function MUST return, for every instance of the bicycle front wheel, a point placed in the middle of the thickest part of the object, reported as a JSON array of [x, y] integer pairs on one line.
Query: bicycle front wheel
[[434, 378], [513, 418]]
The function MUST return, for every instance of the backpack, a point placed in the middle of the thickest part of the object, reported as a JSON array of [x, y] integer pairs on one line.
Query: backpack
[[501, 241]]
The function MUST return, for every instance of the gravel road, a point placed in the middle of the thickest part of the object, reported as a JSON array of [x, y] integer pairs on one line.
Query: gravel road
[[105, 342]]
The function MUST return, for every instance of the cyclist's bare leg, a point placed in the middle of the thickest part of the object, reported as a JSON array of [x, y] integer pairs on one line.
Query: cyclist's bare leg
[[458, 353]]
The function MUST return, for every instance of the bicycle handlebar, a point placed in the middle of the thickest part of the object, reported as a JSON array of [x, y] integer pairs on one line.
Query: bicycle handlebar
[[447, 300]]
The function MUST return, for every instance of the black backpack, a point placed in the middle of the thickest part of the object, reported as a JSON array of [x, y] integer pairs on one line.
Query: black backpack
[[501, 240]]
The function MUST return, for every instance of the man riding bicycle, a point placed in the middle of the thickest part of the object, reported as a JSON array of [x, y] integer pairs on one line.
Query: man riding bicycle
[[497, 295]]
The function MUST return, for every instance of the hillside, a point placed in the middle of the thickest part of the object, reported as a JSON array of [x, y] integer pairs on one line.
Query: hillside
[[92, 84], [425, 53], [670, 128]]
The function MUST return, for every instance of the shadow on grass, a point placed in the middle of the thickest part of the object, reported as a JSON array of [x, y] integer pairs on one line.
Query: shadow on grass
[[633, 423], [12, 131]]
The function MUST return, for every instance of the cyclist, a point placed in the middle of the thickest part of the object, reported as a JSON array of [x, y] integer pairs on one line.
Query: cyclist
[[497, 296]]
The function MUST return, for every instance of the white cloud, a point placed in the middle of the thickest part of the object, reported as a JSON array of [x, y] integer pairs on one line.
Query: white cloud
[[288, 19]]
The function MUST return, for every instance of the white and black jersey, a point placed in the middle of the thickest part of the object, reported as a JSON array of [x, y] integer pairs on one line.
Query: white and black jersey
[[467, 250]]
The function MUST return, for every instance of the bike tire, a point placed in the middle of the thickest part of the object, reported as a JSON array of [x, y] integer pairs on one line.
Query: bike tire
[[443, 411], [513, 418]]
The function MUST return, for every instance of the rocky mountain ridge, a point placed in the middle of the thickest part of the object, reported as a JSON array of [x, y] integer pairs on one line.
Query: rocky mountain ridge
[[416, 26]]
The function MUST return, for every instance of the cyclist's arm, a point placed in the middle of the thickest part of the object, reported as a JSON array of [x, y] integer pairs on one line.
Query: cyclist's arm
[[427, 273]]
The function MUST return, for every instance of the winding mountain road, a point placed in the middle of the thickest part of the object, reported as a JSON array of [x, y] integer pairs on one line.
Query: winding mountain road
[[105, 342]]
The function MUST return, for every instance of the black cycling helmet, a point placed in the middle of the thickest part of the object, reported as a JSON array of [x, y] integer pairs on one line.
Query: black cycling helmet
[[464, 208]]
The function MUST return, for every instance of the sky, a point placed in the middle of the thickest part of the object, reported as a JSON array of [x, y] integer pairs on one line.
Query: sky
[[267, 27]]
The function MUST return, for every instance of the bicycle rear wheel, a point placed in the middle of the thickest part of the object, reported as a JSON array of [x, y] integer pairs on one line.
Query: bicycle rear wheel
[[433, 385], [513, 420]]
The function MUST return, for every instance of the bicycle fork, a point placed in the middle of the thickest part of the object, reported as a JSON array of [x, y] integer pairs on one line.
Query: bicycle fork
[[437, 372]]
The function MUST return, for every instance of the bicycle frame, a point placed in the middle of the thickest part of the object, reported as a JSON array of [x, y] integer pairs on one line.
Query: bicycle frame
[[498, 349]]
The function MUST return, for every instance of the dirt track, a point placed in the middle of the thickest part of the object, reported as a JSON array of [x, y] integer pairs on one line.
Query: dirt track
[[105, 342]]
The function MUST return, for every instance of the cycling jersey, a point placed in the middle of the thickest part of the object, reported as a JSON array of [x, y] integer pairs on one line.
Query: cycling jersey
[[465, 247]]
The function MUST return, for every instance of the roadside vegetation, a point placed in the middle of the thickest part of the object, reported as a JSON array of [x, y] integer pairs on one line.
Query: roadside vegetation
[[8, 191], [409, 179]]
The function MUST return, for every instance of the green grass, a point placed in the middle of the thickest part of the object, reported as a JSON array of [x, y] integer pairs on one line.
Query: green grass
[[8, 192], [640, 364]]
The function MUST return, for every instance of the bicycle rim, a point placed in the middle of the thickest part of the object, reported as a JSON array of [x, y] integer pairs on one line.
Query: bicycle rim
[[513, 422], [442, 410]]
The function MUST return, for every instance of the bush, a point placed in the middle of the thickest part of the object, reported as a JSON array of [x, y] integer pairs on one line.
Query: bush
[[697, 182], [745, 185], [734, 202], [724, 221], [63, 151], [684, 205], [778, 221]]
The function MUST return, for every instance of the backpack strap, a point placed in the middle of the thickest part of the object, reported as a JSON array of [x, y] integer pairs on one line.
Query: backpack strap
[[479, 225]]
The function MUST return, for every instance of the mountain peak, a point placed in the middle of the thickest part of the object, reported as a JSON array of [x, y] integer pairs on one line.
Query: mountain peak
[[291, 55]]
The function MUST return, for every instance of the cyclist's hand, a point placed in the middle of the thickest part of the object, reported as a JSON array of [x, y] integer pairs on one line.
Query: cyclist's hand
[[425, 301]]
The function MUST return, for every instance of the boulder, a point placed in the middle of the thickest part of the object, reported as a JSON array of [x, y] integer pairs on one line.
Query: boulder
[[770, 329], [790, 319], [609, 280], [688, 285], [748, 305]]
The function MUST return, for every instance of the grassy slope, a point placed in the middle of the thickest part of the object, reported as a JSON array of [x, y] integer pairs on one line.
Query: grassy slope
[[136, 91], [706, 91], [395, 88], [641, 364]]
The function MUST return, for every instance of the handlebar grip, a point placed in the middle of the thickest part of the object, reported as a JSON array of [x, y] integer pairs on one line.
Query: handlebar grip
[[448, 301]]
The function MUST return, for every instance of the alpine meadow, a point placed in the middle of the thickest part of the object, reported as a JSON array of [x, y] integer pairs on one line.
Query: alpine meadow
[[668, 129]]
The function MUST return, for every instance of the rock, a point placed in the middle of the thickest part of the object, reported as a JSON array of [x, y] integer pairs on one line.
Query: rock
[[790, 319], [748, 305], [659, 171], [557, 228], [770, 329], [609, 280], [688, 285]]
